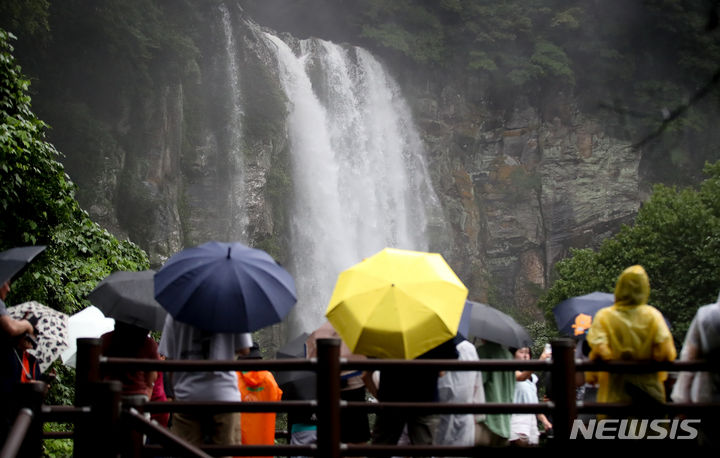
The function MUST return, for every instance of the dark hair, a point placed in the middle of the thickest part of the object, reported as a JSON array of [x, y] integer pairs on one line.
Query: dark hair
[[127, 340], [254, 352], [514, 350]]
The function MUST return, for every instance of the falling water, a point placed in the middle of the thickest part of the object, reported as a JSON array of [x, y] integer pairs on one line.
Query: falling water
[[360, 179], [234, 135]]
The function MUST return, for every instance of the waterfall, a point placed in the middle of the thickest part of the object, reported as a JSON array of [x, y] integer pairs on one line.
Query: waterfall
[[234, 135], [360, 180]]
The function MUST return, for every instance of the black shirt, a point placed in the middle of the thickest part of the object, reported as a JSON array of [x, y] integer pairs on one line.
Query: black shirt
[[415, 384]]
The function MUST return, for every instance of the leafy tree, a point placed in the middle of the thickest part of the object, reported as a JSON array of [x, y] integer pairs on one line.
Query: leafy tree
[[38, 208], [30, 16], [675, 237]]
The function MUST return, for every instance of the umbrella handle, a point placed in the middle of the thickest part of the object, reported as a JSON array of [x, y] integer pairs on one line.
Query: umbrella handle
[[31, 339]]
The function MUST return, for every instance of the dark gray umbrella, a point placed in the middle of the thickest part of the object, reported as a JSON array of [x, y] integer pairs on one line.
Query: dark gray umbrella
[[488, 323], [130, 297], [297, 385], [14, 260]]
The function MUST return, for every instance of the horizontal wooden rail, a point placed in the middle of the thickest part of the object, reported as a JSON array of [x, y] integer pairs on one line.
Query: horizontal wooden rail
[[61, 414], [172, 365], [229, 406], [310, 365]]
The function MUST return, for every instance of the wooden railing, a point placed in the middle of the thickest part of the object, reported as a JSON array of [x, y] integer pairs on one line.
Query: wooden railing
[[104, 425]]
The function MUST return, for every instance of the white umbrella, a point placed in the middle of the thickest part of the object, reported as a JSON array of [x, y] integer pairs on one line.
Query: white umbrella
[[89, 322]]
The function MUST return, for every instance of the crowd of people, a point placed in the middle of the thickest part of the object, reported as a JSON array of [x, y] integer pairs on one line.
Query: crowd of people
[[630, 329]]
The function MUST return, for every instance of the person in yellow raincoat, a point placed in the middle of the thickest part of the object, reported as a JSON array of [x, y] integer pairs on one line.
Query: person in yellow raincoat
[[630, 330], [257, 428]]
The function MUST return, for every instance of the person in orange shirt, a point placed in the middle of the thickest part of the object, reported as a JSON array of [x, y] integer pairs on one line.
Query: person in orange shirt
[[257, 428]]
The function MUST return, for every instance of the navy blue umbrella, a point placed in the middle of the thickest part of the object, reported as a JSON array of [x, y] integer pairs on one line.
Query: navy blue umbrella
[[225, 287], [568, 312], [571, 315]]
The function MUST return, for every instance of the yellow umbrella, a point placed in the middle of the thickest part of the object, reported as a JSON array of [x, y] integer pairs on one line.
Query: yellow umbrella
[[397, 304]]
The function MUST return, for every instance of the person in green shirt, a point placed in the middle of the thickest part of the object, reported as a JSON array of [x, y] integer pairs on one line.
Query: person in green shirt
[[494, 429]]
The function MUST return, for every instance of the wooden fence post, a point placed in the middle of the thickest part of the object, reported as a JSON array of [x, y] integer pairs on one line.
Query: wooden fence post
[[97, 432], [88, 368], [24, 437], [328, 394], [31, 396], [132, 444], [563, 389]]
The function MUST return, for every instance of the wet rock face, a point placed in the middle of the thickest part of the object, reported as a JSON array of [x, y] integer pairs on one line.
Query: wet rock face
[[521, 189]]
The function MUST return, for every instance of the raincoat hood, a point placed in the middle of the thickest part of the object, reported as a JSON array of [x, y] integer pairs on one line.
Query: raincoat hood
[[253, 378], [633, 287]]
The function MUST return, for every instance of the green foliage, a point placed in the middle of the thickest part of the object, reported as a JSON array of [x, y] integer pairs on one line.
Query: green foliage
[[130, 35], [550, 61], [541, 332], [26, 16], [406, 27], [79, 255], [39, 208], [57, 448], [675, 237]]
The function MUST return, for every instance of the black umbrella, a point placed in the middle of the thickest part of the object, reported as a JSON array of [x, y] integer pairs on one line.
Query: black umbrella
[[297, 385], [294, 348], [14, 260], [130, 297], [488, 323]]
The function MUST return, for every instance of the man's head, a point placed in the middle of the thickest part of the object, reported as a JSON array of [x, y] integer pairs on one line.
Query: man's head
[[253, 352]]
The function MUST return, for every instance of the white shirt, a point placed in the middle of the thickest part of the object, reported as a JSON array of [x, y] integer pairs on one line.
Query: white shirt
[[461, 387], [702, 341], [525, 424]]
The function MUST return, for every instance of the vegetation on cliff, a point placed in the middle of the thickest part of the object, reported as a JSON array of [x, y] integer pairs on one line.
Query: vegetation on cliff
[[648, 68], [39, 208], [675, 237]]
